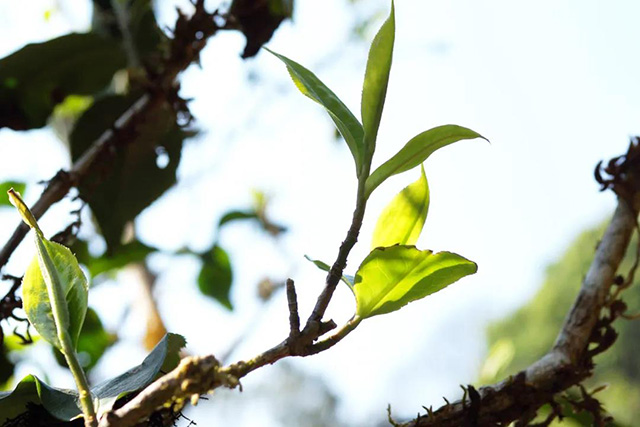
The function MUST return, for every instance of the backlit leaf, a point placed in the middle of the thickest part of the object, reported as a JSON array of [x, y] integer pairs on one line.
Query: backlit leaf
[[416, 151], [345, 121], [376, 79], [68, 275], [389, 278], [402, 220]]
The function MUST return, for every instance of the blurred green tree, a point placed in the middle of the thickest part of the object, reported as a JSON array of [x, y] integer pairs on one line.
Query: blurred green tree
[[523, 337]]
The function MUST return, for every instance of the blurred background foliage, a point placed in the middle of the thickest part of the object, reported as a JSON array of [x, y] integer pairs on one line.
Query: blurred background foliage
[[524, 336]]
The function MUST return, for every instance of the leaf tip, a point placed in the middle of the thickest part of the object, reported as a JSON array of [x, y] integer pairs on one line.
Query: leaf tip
[[23, 209]]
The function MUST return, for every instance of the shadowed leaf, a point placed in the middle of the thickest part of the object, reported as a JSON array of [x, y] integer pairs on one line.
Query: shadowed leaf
[[216, 276], [134, 178], [40, 75]]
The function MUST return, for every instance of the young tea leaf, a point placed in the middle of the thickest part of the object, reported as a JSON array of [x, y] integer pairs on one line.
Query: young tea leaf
[[345, 121], [37, 300], [390, 278], [376, 79], [402, 220], [348, 280], [54, 288], [416, 151]]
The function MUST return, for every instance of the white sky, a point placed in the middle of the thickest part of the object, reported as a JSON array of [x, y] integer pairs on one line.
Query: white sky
[[552, 84]]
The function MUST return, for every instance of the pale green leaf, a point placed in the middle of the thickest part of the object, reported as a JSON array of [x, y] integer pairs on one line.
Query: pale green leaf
[[389, 278], [402, 220], [416, 151], [348, 280], [310, 86], [74, 290], [376, 79]]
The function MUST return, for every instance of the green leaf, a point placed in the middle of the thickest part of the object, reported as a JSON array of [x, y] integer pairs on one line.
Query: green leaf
[[6, 186], [402, 220], [132, 252], [416, 151], [163, 358], [134, 180], [236, 215], [62, 403], [345, 121], [348, 280], [216, 276], [376, 79], [61, 270], [390, 278], [37, 77], [93, 342]]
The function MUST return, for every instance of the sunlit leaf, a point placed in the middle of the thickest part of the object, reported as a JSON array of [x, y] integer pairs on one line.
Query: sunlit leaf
[[348, 280], [416, 151], [376, 79], [40, 75], [216, 276], [345, 121], [54, 289], [402, 220], [61, 267], [389, 278]]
